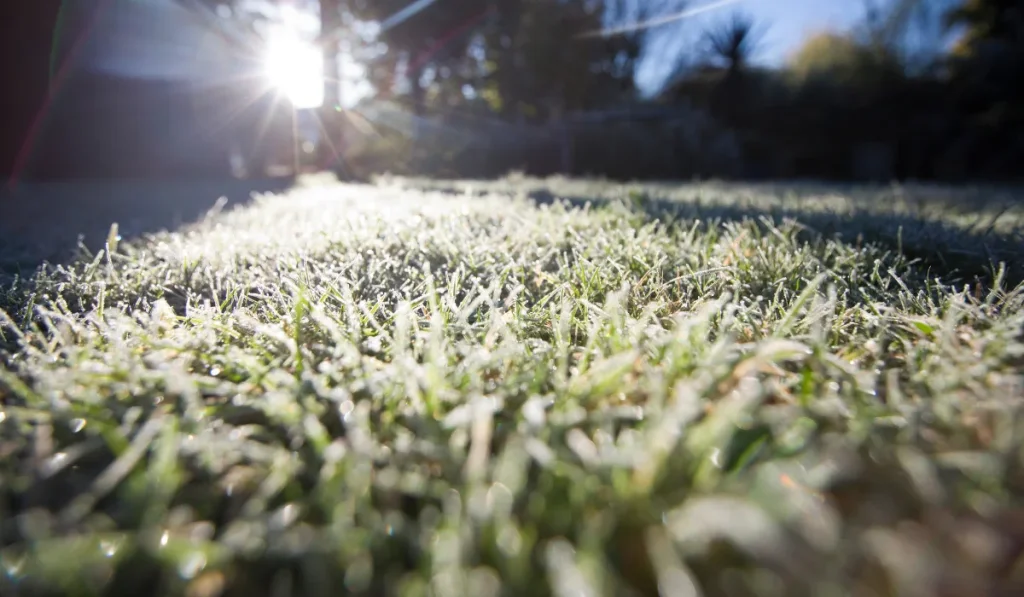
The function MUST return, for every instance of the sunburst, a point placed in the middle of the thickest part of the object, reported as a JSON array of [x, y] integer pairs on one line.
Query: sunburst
[[295, 68]]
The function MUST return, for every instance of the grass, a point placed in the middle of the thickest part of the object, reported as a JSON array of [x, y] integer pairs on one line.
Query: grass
[[474, 389]]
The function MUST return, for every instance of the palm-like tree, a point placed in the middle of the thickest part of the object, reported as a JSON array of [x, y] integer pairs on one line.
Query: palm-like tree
[[735, 42]]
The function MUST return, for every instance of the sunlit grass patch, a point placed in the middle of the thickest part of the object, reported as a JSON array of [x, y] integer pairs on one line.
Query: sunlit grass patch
[[388, 391]]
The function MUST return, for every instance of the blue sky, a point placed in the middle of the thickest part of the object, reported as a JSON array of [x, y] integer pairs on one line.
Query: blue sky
[[788, 24], [790, 21]]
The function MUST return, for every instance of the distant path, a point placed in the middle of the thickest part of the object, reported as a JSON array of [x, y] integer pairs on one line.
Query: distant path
[[42, 221]]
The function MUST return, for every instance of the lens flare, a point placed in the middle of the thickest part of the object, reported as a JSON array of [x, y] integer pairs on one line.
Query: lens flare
[[295, 67]]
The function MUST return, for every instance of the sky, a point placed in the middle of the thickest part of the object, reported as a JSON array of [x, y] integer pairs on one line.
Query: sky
[[791, 21], [787, 24]]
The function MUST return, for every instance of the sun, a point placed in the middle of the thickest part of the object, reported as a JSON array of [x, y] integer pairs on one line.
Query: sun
[[295, 68]]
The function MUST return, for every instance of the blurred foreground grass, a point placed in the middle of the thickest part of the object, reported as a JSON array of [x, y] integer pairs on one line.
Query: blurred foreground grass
[[477, 389]]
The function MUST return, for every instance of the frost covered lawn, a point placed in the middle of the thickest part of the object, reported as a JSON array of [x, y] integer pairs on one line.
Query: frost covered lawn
[[477, 389]]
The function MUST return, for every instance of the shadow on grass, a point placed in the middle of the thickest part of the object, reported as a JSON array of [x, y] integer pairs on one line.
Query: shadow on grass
[[957, 233], [952, 251], [43, 222]]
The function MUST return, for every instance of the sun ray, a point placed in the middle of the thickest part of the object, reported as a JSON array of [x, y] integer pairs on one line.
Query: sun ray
[[658, 21], [295, 67]]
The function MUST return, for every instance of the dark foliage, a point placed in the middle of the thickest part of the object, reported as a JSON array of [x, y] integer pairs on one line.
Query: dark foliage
[[849, 107]]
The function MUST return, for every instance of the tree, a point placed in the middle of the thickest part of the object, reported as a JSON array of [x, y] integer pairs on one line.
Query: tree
[[546, 57], [993, 37], [843, 60], [541, 61], [522, 57], [988, 22], [423, 46], [987, 67], [734, 43], [911, 32]]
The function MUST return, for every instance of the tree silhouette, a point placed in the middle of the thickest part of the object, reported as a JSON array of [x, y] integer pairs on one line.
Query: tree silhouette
[[735, 42], [987, 67]]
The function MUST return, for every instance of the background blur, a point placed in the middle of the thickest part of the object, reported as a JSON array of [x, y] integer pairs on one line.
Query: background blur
[[871, 90]]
